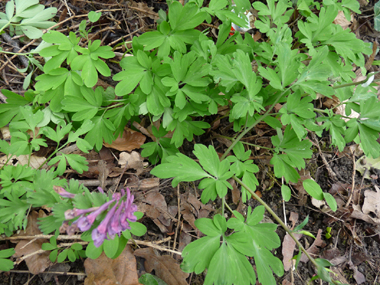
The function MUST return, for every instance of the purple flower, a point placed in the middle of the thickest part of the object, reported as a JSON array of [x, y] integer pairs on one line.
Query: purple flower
[[116, 220], [63, 192], [83, 224], [98, 237], [91, 217], [115, 227], [102, 228], [72, 213], [129, 209]]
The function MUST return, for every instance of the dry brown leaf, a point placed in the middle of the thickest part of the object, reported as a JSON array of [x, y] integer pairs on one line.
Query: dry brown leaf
[[129, 141], [145, 9], [235, 191], [39, 262], [313, 249], [165, 267], [145, 184], [133, 160], [288, 246], [338, 275], [107, 271], [155, 207], [358, 276], [371, 205], [341, 20], [34, 161], [372, 202]]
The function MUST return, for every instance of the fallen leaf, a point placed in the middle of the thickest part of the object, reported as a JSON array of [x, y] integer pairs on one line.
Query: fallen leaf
[[133, 160], [334, 256], [364, 164], [129, 141], [36, 263], [371, 205], [184, 240], [165, 266], [293, 218], [288, 246], [106, 271], [145, 184], [341, 20], [338, 275], [34, 161], [235, 191], [313, 249], [358, 276]]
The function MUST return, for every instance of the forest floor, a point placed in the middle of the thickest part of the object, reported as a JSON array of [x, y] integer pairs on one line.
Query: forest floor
[[353, 244]]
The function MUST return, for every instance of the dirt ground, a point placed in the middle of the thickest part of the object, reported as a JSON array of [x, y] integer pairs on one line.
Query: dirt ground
[[354, 244]]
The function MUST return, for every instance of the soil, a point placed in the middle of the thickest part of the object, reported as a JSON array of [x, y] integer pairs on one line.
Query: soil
[[356, 241]]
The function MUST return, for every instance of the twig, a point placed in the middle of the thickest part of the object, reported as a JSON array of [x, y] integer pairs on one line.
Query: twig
[[16, 49], [353, 179], [178, 220], [51, 272]]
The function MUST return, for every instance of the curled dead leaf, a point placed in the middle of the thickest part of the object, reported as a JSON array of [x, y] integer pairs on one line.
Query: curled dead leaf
[[129, 141], [165, 266], [37, 263], [107, 271]]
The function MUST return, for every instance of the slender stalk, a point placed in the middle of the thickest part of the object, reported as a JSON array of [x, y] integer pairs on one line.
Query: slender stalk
[[5, 26], [277, 218], [242, 134], [353, 83], [18, 53]]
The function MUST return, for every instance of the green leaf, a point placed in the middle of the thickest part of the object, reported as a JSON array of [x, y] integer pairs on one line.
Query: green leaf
[[149, 279], [313, 189], [330, 201], [85, 106], [185, 17], [53, 255], [110, 246], [137, 229], [11, 108], [6, 264], [129, 78], [103, 130], [94, 16], [286, 192], [181, 167], [272, 76], [282, 168], [62, 256], [10, 9], [48, 246], [92, 251], [263, 239], [5, 253], [377, 16], [300, 226]]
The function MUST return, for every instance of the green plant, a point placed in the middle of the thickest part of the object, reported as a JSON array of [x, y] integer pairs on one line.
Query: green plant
[[28, 18], [178, 76], [72, 253]]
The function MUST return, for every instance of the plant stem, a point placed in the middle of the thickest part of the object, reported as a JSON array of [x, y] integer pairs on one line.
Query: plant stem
[[242, 134], [228, 207], [353, 83], [5, 26], [17, 53], [277, 218]]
